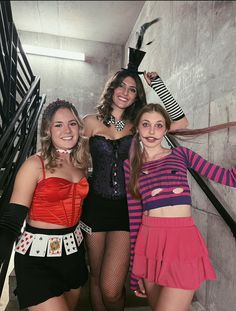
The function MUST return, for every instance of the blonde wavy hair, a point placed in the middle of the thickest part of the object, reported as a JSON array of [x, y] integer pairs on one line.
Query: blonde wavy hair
[[80, 152]]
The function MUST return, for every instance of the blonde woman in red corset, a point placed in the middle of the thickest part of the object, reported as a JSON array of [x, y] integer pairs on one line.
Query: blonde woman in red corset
[[50, 187]]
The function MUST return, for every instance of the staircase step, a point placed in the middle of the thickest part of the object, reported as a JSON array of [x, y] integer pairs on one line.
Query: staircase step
[[196, 306]]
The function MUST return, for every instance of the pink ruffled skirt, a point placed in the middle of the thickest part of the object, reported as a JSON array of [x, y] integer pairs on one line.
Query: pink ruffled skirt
[[171, 252]]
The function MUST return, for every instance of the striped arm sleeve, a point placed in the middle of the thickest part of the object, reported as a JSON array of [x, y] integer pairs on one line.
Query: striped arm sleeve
[[209, 170], [172, 107], [135, 219]]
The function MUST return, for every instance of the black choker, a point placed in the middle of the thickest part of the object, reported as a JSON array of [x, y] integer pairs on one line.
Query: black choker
[[119, 125]]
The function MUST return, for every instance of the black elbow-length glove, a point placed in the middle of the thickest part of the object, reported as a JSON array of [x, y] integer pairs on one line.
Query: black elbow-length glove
[[11, 223]]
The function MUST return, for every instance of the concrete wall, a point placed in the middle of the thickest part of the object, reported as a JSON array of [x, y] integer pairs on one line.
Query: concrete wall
[[76, 81], [194, 52]]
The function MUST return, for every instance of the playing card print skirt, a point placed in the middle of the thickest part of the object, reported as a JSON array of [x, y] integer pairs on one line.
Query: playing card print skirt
[[48, 262]]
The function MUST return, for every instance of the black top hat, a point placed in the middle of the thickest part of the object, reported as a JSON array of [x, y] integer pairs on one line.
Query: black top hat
[[135, 58]]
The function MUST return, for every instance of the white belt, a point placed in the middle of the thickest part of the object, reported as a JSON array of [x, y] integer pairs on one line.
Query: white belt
[[51, 245]]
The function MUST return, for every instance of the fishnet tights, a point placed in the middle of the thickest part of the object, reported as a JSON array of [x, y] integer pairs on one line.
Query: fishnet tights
[[108, 254]]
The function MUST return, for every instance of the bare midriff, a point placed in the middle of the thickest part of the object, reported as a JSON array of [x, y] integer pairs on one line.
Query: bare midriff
[[44, 225], [170, 211]]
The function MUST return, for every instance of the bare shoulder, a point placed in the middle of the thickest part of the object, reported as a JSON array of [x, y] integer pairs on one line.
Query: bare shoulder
[[33, 161], [91, 122], [26, 181], [91, 118], [31, 167]]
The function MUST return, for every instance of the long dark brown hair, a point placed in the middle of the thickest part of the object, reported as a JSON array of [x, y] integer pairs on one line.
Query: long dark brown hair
[[105, 106], [80, 152], [136, 153]]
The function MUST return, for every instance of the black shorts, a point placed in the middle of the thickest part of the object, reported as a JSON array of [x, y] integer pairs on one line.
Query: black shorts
[[41, 278], [103, 214]]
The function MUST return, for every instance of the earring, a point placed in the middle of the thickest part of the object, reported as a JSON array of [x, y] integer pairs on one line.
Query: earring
[[141, 145], [140, 141]]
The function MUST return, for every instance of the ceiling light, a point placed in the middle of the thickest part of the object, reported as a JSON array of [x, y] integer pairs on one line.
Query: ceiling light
[[38, 50]]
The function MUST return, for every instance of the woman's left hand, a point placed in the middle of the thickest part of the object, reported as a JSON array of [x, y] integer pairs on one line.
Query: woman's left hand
[[141, 291], [150, 76]]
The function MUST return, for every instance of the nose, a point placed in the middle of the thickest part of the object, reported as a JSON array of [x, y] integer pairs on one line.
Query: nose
[[151, 129], [125, 90], [67, 128]]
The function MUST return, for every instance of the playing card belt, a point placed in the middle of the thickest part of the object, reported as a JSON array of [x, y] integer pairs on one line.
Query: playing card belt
[[42, 245]]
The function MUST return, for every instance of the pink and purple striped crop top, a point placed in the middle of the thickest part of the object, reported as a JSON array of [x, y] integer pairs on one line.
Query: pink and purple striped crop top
[[164, 182]]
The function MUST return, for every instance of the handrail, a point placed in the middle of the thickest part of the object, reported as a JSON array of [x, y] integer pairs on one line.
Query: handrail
[[24, 151], [7, 133], [20, 107], [6, 194], [218, 206]]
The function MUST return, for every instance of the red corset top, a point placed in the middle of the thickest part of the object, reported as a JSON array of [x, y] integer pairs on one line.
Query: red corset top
[[58, 201]]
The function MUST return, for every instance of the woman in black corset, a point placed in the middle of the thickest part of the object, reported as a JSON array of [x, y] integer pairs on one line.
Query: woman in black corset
[[105, 208]]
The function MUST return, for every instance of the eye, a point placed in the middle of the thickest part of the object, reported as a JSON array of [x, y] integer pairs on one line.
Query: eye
[[58, 125], [159, 125], [145, 124], [74, 123], [133, 90], [121, 84]]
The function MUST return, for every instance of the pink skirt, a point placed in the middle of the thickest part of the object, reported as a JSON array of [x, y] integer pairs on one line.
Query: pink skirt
[[171, 252]]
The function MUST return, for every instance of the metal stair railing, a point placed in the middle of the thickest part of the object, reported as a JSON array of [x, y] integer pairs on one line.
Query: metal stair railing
[[20, 107]]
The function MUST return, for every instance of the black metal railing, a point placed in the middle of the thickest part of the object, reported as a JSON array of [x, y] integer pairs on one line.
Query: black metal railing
[[213, 199], [20, 107]]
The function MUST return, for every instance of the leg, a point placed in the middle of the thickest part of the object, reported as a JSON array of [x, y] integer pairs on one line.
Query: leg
[[95, 244], [54, 303], [153, 291], [72, 298], [114, 269], [172, 299]]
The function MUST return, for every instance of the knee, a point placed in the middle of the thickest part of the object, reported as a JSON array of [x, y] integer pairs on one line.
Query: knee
[[111, 293]]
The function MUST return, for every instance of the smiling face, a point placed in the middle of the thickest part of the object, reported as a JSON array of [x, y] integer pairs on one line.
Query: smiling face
[[64, 129], [124, 95], [151, 129]]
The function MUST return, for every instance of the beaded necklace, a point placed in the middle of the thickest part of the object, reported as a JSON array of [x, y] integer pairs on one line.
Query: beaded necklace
[[119, 125], [64, 151]]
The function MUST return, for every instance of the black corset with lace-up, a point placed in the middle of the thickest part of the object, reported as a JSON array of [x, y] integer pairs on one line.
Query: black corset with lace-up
[[107, 178]]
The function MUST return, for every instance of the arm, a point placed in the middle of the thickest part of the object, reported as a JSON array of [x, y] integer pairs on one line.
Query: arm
[[15, 213], [135, 219], [209, 170], [175, 112]]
